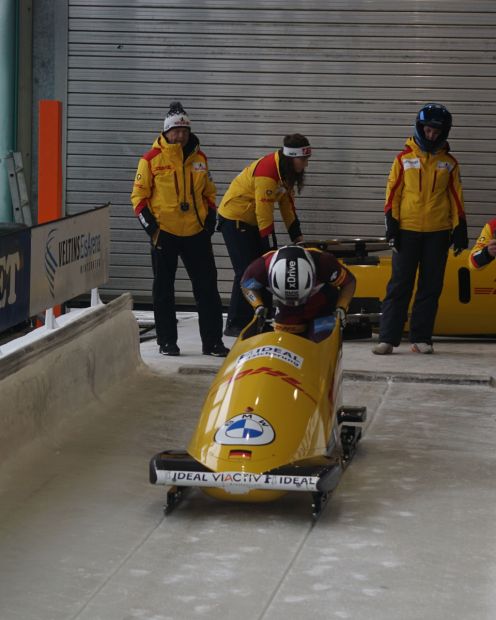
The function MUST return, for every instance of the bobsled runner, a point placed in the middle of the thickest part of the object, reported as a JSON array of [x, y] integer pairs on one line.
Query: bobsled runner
[[467, 305], [272, 422]]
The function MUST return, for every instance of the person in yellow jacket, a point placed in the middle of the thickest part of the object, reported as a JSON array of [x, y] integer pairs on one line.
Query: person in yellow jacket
[[174, 199], [484, 249], [424, 215], [246, 215]]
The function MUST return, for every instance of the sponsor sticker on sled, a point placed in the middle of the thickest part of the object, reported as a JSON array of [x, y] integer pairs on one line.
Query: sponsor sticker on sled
[[273, 352], [247, 429], [236, 481]]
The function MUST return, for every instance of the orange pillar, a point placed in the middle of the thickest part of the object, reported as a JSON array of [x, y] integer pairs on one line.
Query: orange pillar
[[50, 161]]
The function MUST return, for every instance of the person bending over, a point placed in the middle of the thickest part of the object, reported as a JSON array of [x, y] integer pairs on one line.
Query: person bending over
[[246, 214]]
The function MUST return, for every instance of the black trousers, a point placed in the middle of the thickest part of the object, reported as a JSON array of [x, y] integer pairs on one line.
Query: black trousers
[[198, 259], [244, 245], [427, 253]]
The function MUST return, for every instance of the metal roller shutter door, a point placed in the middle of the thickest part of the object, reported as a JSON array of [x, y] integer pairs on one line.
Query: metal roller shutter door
[[350, 75]]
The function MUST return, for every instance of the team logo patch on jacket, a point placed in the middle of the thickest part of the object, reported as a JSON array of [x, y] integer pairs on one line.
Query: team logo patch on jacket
[[411, 163], [444, 165]]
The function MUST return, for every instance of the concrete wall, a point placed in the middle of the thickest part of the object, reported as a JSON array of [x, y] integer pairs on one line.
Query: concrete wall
[[52, 379]]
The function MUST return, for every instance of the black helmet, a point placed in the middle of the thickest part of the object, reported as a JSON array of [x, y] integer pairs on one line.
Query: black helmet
[[432, 115], [292, 275]]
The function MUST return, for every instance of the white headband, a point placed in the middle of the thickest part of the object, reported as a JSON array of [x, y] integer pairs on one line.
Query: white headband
[[297, 151]]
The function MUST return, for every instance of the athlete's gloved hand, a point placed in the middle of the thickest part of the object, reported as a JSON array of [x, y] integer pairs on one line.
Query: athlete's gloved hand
[[491, 249], [393, 232], [264, 244], [261, 313], [459, 236], [340, 313], [155, 239], [210, 222], [148, 222]]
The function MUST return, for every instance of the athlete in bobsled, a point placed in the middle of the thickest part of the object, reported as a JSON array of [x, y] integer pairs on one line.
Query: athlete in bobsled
[[308, 286], [273, 419]]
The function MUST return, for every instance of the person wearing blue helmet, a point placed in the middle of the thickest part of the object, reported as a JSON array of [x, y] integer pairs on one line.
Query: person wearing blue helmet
[[424, 215], [432, 116]]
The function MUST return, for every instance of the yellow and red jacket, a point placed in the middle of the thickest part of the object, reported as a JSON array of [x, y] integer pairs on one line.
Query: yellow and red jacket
[[479, 256], [424, 192], [165, 179], [252, 194]]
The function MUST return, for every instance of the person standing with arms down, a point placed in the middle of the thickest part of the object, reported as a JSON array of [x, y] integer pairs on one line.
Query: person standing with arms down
[[424, 216], [246, 214], [174, 199], [484, 249]]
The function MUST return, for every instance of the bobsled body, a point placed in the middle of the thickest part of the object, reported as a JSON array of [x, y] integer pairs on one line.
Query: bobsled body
[[273, 403], [272, 422], [467, 305]]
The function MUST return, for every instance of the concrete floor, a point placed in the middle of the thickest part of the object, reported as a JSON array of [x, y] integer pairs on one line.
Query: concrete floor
[[410, 532]]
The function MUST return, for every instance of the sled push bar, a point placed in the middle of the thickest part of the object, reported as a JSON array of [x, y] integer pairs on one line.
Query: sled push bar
[[359, 247]]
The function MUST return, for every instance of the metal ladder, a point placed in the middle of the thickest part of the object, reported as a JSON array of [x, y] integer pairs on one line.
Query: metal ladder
[[18, 189]]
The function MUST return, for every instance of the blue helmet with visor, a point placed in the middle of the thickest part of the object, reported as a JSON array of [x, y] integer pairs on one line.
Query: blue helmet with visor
[[432, 115]]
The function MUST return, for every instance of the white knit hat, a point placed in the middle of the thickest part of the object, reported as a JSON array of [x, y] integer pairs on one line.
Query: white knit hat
[[176, 117]]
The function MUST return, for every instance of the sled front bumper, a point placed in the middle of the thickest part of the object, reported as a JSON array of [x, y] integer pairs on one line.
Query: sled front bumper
[[180, 469]]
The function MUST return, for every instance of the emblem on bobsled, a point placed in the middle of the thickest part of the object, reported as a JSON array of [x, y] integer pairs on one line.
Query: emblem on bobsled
[[247, 429]]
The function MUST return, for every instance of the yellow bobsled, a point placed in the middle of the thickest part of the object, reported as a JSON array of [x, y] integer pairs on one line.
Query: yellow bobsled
[[272, 422], [467, 305]]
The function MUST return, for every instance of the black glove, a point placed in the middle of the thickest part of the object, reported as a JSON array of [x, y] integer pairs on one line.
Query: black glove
[[264, 244], [294, 231], [156, 240], [459, 237], [340, 313], [392, 231], [261, 313], [148, 221], [210, 222]]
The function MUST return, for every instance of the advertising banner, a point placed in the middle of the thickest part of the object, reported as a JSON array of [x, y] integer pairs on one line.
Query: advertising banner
[[69, 257], [15, 263]]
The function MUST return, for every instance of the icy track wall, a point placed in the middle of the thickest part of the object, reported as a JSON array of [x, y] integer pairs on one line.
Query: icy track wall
[[52, 379]]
